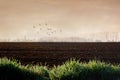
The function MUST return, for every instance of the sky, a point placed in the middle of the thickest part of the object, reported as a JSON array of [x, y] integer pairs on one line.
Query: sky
[[65, 18]]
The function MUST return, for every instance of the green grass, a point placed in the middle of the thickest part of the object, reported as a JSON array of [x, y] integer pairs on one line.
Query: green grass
[[12, 70], [70, 70]]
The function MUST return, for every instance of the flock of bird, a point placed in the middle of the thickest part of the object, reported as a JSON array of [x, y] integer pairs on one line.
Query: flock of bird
[[49, 30]]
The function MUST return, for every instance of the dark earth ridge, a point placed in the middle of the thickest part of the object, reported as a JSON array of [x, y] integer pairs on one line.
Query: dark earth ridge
[[54, 53]]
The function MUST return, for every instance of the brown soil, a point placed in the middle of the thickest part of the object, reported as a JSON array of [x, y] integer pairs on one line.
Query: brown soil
[[57, 53]]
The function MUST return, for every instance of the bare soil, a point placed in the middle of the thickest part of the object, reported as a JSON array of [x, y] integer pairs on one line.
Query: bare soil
[[54, 53]]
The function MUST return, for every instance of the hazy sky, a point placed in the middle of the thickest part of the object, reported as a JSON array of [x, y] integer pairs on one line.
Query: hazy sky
[[73, 17]]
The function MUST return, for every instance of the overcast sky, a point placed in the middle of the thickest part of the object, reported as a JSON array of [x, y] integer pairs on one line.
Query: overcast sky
[[67, 17]]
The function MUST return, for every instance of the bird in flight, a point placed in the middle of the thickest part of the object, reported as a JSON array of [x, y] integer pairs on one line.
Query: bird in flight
[[33, 26], [40, 28], [60, 30]]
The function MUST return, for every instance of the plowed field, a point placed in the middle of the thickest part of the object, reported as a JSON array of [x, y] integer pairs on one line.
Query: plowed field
[[54, 53]]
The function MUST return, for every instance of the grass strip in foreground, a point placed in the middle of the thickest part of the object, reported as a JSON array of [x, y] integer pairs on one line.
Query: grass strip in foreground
[[70, 70]]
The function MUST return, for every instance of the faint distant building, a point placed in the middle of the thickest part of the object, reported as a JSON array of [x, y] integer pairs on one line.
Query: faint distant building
[[98, 41]]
